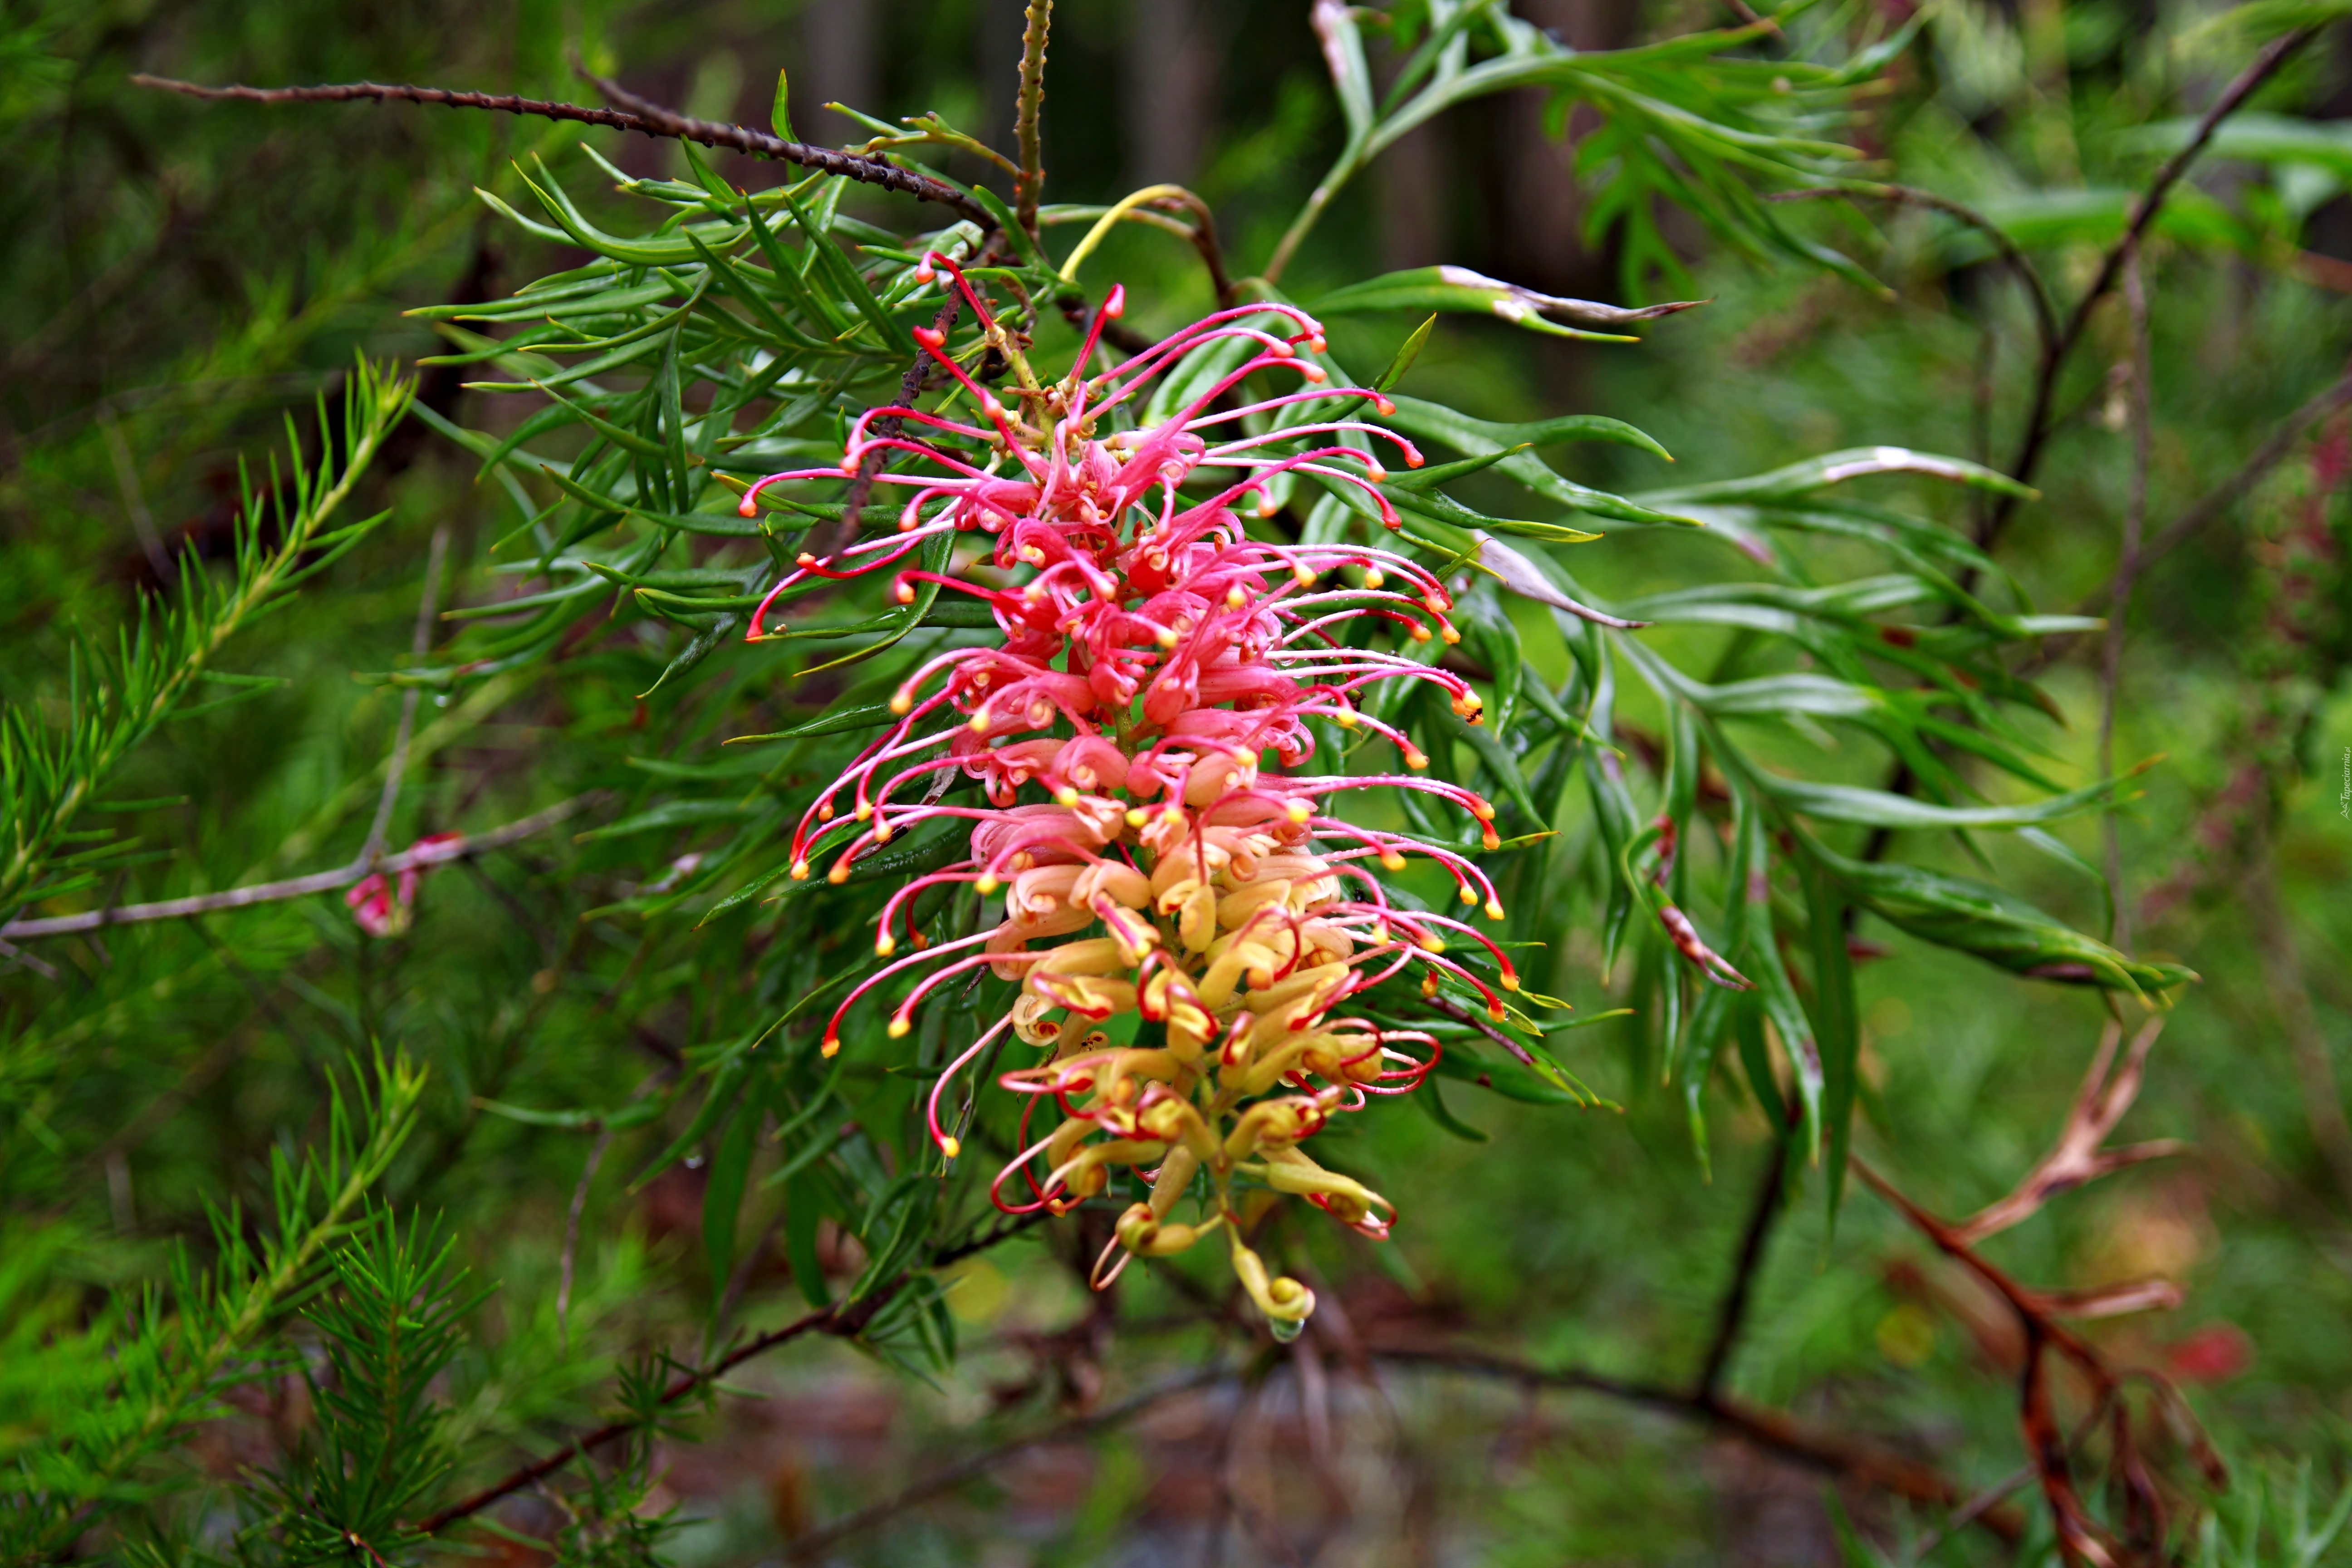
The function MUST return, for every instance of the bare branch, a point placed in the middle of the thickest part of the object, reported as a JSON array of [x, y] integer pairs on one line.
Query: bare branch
[[1765, 1429], [2078, 1157], [662, 125], [2223, 496], [845, 1321], [2038, 426], [2046, 314], [887, 429], [343, 877], [917, 1492], [1732, 1315], [1029, 108]]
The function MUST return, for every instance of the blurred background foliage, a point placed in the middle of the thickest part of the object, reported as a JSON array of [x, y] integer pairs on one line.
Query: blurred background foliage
[[177, 280]]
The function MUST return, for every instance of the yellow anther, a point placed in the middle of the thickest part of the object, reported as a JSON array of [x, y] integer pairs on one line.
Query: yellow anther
[[800, 871], [1302, 575], [1493, 911], [1236, 598], [1372, 577], [902, 702], [1450, 635], [980, 720], [987, 885], [832, 1046], [1065, 796], [1375, 473], [838, 875], [1467, 895], [1418, 632], [881, 831], [951, 1146], [865, 811], [899, 1025], [1416, 760], [1299, 811], [885, 945], [1137, 816], [825, 811], [1391, 861]]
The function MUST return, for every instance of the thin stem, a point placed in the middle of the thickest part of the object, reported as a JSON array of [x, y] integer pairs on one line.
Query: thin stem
[[2139, 395], [1763, 1429], [2221, 497], [888, 428], [947, 1478], [661, 124], [571, 1235], [332, 881], [2045, 315], [1733, 1315], [1969, 1512], [1028, 184], [2038, 426], [845, 1321], [418, 646]]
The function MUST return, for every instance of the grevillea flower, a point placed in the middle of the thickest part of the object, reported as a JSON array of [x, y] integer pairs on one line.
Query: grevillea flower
[[1187, 917]]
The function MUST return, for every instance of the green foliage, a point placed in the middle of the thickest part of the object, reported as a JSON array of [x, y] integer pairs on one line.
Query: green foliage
[[1744, 734], [390, 1320], [124, 1392]]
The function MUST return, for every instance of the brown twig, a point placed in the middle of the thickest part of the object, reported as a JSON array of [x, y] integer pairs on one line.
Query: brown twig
[[1029, 108], [2046, 314], [2038, 427], [416, 859], [888, 428], [2078, 1157], [919, 1491], [1969, 1512], [846, 1320], [660, 124], [1765, 1429], [1203, 232], [2223, 496]]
